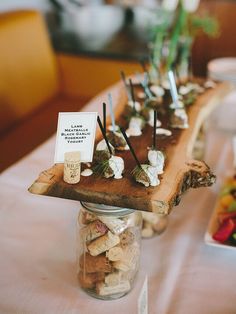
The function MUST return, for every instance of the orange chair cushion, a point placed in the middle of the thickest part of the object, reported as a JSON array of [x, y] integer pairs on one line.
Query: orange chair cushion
[[27, 65], [34, 130]]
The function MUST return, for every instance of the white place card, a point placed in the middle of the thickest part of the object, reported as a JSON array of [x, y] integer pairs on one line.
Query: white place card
[[75, 132]]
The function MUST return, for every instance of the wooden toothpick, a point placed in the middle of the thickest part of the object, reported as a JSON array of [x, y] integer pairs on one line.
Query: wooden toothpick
[[111, 112], [154, 130], [173, 88]]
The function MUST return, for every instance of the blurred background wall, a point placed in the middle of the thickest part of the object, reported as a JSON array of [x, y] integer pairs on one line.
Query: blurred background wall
[[6, 5]]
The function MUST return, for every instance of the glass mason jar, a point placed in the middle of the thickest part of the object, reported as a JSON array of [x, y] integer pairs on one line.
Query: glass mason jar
[[153, 224], [108, 253]]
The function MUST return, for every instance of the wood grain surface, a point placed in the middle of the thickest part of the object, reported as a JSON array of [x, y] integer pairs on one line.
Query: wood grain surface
[[181, 171]]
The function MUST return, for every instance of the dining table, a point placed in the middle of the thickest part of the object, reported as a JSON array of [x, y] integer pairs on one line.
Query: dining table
[[38, 244]]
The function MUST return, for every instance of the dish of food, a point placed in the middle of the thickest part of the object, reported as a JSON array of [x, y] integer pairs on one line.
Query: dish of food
[[222, 226]]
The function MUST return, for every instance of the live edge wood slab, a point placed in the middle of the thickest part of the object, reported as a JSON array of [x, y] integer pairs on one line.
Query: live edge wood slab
[[181, 171]]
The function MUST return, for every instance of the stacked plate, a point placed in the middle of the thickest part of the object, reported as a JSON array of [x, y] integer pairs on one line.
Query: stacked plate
[[223, 69], [224, 117]]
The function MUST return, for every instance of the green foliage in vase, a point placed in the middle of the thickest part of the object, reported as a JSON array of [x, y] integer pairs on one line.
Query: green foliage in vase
[[203, 23], [160, 32], [176, 31]]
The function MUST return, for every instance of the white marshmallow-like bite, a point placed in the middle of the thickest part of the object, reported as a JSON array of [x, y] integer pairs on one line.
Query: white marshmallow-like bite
[[136, 105], [157, 90], [151, 119], [156, 159], [152, 173], [116, 163], [135, 127], [161, 131], [180, 105], [87, 172]]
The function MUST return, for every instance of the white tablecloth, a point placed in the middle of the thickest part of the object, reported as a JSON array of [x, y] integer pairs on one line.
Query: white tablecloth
[[37, 250]]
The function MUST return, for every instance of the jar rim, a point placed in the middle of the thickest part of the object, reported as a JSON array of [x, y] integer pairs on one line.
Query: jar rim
[[105, 209]]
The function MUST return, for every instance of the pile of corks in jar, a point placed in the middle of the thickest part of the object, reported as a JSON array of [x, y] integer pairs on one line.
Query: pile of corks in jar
[[109, 255]]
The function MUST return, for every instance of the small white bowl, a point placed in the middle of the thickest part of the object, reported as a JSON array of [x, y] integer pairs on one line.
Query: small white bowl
[[222, 69], [94, 25]]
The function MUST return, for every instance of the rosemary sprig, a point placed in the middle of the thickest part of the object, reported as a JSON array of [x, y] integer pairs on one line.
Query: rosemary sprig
[[137, 171], [100, 168]]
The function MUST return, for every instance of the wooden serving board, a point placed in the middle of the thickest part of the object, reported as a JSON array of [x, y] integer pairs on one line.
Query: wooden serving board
[[181, 171]]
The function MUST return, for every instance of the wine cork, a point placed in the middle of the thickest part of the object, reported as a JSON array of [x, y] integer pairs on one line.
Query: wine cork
[[128, 275], [93, 264], [132, 220], [129, 260], [72, 167], [88, 281], [92, 231], [147, 231], [113, 279], [126, 238], [150, 217], [85, 217], [115, 254], [161, 225], [103, 289], [102, 244], [115, 225]]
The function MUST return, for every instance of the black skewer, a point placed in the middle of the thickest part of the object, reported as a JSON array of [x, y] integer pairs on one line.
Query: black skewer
[[154, 129], [104, 117], [143, 64], [132, 93], [130, 147], [104, 135], [122, 74]]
